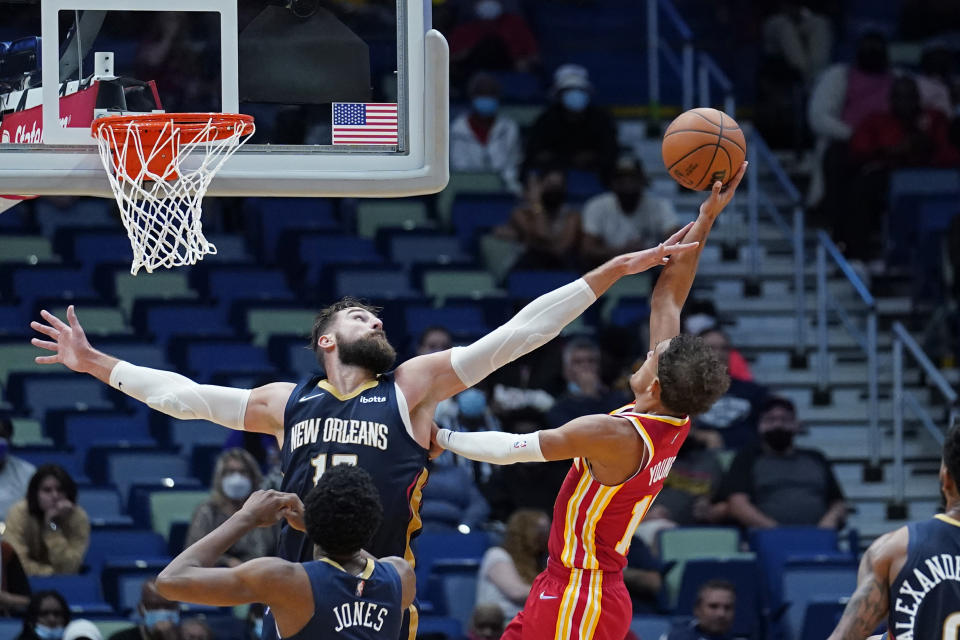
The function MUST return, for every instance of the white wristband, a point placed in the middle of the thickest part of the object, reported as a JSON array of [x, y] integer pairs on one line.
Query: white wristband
[[535, 325], [493, 446], [181, 397]]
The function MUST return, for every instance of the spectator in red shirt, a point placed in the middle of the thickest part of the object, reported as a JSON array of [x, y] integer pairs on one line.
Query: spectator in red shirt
[[493, 37], [906, 136]]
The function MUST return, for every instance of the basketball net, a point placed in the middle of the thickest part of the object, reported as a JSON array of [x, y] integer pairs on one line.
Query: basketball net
[[158, 188]]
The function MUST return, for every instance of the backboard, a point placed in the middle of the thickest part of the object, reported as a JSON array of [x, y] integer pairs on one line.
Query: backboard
[[349, 96]]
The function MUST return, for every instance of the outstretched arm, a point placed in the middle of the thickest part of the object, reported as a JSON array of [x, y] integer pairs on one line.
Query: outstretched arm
[[437, 376], [673, 285], [258, 410], [869, 604]]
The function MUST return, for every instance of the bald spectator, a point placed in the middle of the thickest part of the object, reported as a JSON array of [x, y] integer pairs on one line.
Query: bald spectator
[[483, 138]]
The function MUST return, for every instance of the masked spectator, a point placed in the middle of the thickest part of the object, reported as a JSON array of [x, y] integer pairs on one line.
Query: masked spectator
[[47, 615], [159, 617]]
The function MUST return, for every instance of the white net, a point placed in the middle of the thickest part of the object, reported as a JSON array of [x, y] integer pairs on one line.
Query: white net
[[159, 169]]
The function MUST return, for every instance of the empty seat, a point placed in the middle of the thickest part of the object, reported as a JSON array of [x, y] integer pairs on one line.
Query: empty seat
[[84, 430], [458, 319], [66, 459], [775, 546], [167, 507], [684, 543], [472, 213], [98, 321], [15, 322], [442, 284], [116, 545], [85, 212], [372, 283], [26, 249], [629, 312], [527, 285], [125, 469], [466, 182], [78, 590], [407, 248], [431, 625], [230, 247], [822, 616], [650, 627], [433, 547], [144, 354], [269, 218], [167, 319], [377, 214], [808, 580], [187, 434], [102, 505], [453, 589], [38, 394], [41, 280], [228, 284], [264, 323], [28, 432], [317, 251], [205, 357], [17, 357], [164, 285], [92, 247]]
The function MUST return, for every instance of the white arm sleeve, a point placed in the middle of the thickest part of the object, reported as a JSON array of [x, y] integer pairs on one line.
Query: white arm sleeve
[[181, 397], [493, 446], [535, 325]]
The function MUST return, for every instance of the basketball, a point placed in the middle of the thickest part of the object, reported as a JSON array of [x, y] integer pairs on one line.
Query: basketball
[[702, 146]]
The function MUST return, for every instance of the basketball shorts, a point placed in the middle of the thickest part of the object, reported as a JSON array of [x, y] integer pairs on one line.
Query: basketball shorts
[[573, 604]]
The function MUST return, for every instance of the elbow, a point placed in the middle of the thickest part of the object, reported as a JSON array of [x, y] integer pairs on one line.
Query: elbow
[[166, 584]]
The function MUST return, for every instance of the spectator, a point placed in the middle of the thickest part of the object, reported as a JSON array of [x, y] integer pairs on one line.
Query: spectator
[[799, 36], [159, 617], [572, 132], [773, 483], [82, 630], [235, 477], [195, 629], [14, 586], [507, 572], [627, 217], [545, 225], [699, 316], [843, 96], [467, 411], [936, 80], [526, 485], [483, 139], [906, 136], [713, 614], [434, 339], [643, 577], [585, 392], [47, 615], [494, 36], [15, 473], [486, 623], [451, 500], [732, 420], [48, 530]]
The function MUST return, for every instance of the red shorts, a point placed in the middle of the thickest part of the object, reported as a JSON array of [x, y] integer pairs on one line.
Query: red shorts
[[573, 604]]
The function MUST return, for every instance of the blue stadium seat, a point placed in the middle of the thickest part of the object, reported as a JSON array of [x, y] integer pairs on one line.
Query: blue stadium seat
[[378, 282], [84, 430], [187, 434], [291, 354], [103, 507], [822, 616], [473, 213], [229, 284], [87, 212], [431, 625], [117, 545], [164, 320], [124, 469], [431, 548], [204, 358], [458, 319], [520, 86], [45, 280], [144, 354], [66, 459], [269, 218], [744, 573], [527, 285], [630, 311], [39, 393], [650, 627], [418, 246], [91, 247], [14, 322], [807, 580], [10, 627], [452, 588], [775, 546], [79, 590]]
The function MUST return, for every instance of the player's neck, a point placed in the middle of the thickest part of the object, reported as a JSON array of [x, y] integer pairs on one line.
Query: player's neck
[[952, 509], [345, 378], [645, 403], [354, 564]]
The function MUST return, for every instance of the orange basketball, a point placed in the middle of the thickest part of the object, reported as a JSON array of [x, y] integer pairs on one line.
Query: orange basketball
[[702, 146]]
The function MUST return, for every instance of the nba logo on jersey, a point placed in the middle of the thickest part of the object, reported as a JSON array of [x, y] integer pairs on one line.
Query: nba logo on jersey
[[359, 591]]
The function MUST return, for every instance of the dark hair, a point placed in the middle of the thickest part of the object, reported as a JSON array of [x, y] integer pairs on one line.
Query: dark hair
[[777, 402], [67, 485], [434, 328], [715, 584], [691, 376], [6, 427], [343, 511], [326, 316], [951, 452], [33, 607]]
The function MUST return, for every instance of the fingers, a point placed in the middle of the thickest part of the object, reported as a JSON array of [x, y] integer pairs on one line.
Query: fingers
[[735, 181], [679, 235], [46, 359], [45, 344], [56, 322], [45, 329], [680, 248], [72, 317]]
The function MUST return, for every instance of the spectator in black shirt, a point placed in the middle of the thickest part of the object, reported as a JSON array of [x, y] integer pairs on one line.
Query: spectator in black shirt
[[774, 483]]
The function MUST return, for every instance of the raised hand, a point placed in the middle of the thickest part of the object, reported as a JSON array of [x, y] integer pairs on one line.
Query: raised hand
[[269, 507], [68, 341], [639, 261], [720, 196]]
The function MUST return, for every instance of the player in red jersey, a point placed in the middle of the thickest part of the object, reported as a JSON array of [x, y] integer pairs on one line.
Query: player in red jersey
[[619, 463]]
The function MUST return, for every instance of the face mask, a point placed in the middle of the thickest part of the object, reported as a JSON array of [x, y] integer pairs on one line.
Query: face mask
[[485, 106], [575, 100], [552, 199], [236, 486], [472, 403], [488, 9], [48, 633], [153, 617], [778, 439], [258, 627]]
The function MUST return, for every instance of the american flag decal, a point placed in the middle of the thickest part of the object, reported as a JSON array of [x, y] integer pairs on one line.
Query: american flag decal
[[364, 123]]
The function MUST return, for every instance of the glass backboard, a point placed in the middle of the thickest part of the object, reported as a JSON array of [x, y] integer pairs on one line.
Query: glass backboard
[[350, 98]]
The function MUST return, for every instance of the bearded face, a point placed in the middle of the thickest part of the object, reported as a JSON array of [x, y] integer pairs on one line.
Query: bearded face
[[373, 353]]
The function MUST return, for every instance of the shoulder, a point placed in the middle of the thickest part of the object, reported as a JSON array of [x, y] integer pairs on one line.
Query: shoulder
[[815, 455], [494, 555], [269, 572]]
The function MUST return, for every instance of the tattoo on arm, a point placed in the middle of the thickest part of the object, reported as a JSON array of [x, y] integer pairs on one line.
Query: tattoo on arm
[[868, 605]]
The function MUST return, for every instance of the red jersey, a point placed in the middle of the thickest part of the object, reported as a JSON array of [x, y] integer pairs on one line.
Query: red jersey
[[593, 523]]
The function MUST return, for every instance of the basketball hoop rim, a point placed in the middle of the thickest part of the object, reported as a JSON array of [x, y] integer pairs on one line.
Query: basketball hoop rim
[[224, 124]]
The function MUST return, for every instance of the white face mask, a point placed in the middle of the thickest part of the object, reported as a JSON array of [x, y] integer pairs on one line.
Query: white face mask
[[488, 9], [236, 486]]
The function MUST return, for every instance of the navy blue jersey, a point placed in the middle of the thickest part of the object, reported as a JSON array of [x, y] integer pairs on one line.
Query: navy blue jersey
[[364, 607], [925, 597], [367, 428]]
